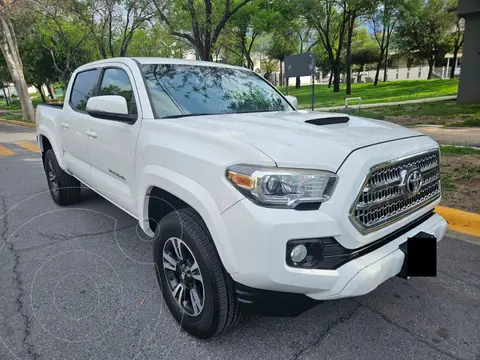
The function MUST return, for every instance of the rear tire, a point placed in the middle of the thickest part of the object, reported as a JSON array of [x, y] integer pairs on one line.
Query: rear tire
[[212, 309], [64, 188]]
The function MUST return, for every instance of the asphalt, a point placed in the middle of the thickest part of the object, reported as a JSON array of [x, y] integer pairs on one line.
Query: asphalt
[[78, 283]]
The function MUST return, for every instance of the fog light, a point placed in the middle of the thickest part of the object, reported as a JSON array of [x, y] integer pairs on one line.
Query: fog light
[[298, 253]]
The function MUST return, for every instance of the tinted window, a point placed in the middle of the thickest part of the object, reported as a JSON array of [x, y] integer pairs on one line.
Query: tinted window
[[83, 88], [116, 82], [192, 89]]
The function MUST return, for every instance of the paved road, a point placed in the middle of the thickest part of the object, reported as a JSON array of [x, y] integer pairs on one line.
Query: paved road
[[78, 283]]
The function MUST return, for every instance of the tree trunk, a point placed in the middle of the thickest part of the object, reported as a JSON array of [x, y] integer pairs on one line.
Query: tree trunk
[[430, 68], [387, 45], [204, 51], [454, 59], [385, 67], [42, 95], [12, 58], [336, 78], [348, 53], [297, 82], [50, 91], [330, 79], [379, 66], [5, 95]]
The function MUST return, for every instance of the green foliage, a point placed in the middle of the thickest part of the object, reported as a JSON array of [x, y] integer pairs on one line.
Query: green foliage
[[449, 150], [69, 42], [426, 29], [364, 48], [250, 23], [155, 41], [37, 61]]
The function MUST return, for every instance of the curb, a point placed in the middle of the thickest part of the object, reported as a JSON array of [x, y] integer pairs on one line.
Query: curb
[[17, 122], [459, 220]]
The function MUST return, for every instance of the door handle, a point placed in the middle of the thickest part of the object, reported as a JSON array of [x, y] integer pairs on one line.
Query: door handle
[[91, 134], [64, 125]]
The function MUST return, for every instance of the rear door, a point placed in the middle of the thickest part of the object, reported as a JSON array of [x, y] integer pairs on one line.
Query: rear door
[[111, 144], [73, 124]]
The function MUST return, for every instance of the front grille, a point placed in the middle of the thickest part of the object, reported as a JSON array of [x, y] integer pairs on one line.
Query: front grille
[[391, 191]]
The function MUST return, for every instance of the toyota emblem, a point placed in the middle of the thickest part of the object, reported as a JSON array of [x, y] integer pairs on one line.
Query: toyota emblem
[[414, 182]]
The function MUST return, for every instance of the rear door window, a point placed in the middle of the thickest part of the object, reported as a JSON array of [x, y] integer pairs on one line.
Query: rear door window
[[82, 89]]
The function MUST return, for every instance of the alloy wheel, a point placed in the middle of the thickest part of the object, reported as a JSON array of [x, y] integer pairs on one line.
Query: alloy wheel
[[183, 276]]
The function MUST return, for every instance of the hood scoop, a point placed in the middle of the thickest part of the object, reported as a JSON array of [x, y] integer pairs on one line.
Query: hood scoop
[[329, 120]]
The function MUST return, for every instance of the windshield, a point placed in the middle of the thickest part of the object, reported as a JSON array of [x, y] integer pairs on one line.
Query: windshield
[[199, 90]]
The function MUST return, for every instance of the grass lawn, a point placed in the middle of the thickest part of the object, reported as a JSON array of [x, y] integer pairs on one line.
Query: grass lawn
[[460, 169], [384, 92], [15, 104], [436, 113], [17, 117]]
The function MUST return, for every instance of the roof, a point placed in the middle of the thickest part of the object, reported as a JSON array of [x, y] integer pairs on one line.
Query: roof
[[159, 60]]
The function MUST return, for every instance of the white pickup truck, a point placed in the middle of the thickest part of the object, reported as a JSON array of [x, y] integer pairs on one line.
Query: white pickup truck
[[252, 203]]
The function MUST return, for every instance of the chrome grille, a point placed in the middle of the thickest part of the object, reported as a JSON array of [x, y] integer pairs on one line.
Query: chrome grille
[[386, 194]]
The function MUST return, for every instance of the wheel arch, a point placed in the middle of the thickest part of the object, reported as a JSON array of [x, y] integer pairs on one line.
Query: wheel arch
[[180, 192], [46, 141]]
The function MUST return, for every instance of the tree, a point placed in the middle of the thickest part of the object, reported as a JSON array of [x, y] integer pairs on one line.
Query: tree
[[364, 49], [457, 44], [68, 41], [5, 79], [9, 45], [249, 24], [353, 9], [38, 62], [155, 41], [329, 19], [112, 23], [383, 22], [279, 47], [200, 23], [425, 31]]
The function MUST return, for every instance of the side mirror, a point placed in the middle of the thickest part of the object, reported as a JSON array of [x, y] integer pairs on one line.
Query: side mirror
[[111, 107], [292, 100]]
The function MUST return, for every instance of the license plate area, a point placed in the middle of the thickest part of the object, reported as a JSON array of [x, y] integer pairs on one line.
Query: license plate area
[[420, 256]]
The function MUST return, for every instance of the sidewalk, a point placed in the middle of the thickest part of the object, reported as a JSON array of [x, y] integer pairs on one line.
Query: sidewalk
[[365, 106], [467, 136]]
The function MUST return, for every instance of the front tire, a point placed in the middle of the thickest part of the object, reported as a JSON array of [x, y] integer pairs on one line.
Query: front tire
[[64, 188], [196, 289]]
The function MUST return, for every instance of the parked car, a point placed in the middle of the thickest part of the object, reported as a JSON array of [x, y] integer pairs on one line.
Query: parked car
[[252, 204]]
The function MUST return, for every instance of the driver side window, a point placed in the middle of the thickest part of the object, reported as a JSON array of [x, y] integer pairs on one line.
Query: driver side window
[[116, 82]]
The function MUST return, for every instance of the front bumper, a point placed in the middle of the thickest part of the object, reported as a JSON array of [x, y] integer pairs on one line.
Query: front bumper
[[259, 237]]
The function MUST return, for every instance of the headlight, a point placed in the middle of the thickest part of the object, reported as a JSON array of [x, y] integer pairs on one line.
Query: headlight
[[286, 188]]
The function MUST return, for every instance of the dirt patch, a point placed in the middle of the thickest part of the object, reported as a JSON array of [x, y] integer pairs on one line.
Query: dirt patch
[[428, 120], [461, 182]]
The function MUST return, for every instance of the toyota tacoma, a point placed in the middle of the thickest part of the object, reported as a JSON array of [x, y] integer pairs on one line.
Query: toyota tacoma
[[252, 204]]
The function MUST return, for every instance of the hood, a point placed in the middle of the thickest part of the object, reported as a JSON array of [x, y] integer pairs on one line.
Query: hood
[[300, 138]]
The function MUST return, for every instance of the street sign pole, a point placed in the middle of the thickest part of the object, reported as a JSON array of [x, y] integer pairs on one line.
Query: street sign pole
[[286, 86]]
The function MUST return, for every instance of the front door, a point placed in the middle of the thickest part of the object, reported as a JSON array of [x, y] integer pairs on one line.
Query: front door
[[73, 124], [111, 144]]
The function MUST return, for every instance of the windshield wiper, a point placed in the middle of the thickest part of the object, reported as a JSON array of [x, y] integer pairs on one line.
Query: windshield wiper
[[185, 115]]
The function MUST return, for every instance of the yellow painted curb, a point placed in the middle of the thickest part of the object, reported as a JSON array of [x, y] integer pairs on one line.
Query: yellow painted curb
[[28, 145], [461, 221], [5, 151], [18, 122]]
